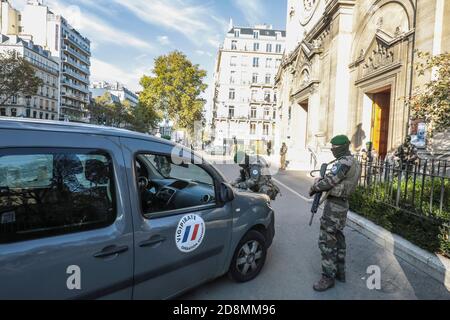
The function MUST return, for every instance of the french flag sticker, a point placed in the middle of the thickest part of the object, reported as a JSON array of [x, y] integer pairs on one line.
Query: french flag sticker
[[190, 232]]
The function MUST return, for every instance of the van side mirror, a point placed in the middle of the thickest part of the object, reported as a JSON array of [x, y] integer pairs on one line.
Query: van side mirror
[[226, 193]]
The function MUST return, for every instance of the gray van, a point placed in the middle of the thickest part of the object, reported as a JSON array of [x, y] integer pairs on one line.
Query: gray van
[[91, 212]]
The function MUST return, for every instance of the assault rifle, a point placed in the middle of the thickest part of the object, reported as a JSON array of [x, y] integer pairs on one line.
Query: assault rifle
[[317, 196]]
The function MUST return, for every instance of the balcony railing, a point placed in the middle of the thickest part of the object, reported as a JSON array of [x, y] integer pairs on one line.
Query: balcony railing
[[262, 101], [81, 98], [42, 65], [76, 75], [72, 39], [75, 64], [77, 54], [75, 86], [246, 118]]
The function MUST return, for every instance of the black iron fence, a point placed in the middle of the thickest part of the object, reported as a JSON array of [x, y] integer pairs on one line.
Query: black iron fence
[[420, 188]]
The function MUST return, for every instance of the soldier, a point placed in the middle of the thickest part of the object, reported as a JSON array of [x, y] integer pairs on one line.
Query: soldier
[[283, 152], [254, 176], [407, 153], [163, 165], [339, 184]]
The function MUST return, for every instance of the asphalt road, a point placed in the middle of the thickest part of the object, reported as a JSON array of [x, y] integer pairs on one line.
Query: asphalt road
[[293, 261]]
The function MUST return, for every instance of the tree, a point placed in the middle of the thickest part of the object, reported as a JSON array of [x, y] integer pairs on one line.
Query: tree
[[174, 90], [144, 118], [105, 111], [17, 77], [112, 113], [431, 103]]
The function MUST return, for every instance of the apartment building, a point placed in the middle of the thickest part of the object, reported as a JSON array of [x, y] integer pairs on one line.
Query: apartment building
[[116, 89], [244, 94], [10, 19], [72, 51], [43, 105]]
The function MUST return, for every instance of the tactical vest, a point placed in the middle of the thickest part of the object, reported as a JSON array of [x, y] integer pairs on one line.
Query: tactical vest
[[348, 185]]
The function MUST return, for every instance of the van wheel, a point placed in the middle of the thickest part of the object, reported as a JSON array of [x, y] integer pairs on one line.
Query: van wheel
[[249, 257]]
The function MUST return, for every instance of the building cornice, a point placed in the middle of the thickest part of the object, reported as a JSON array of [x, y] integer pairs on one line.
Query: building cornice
[[382, 70], [305, 89]]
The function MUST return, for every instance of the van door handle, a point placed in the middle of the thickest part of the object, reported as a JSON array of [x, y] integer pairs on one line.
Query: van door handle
[[110, 250], [152, 241]]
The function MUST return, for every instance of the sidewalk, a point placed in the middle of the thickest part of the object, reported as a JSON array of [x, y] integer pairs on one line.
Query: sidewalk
[[434, 265], [293, 262]]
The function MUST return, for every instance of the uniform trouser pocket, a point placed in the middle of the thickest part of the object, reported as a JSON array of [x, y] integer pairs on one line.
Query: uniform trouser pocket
[[331, 239]]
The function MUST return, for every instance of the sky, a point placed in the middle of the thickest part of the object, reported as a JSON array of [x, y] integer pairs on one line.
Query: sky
[[126, 35]]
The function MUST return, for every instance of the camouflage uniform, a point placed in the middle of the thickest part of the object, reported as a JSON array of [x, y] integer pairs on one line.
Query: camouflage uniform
[[340, 184], [407, 153], [252, 177]]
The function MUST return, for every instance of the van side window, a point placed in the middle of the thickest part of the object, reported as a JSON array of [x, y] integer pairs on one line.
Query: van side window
[[48, 193], [165, 185]]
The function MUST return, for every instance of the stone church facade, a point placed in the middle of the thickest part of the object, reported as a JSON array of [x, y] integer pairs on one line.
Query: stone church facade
[[347, 69]]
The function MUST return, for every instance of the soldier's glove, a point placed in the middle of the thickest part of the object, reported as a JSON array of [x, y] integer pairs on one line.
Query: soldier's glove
[[312, 191], [240, 185]]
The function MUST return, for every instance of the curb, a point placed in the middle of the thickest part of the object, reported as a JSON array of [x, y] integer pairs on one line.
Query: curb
[[436, 266]]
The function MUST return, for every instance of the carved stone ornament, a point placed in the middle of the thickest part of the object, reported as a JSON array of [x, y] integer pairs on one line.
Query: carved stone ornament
[[307, 10], [291, 12], [381, 56]]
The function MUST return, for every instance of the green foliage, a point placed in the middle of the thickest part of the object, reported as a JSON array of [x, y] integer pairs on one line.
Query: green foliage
[[429, 234], [17, 77], [107, 112], [432, 103], [144, 119], [410, 192], [174, 90], [167, 137]]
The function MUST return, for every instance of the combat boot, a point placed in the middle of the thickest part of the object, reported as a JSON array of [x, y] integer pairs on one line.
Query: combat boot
[[324, 283], [340, 276]]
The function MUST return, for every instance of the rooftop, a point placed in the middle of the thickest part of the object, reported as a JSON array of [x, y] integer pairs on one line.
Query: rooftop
[[262, 31], [16, 40], [73, 127]]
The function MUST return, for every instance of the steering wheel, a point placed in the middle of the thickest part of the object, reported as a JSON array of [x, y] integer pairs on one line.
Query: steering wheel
[[166, 195]]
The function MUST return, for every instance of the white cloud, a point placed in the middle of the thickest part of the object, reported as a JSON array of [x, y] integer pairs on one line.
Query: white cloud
[[164, 40], [104, 71], [253, 10], [97, 6], [96, 29], [203, 53], [99, 30], [196, 22]]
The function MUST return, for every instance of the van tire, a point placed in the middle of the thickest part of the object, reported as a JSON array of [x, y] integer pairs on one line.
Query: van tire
[[249, 257]]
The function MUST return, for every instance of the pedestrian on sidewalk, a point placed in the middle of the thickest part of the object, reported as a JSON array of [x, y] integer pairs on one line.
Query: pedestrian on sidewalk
[[283, 152], [269, 148], [339, 184]]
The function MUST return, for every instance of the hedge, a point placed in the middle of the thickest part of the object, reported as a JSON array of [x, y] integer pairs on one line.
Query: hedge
[[428, 233]]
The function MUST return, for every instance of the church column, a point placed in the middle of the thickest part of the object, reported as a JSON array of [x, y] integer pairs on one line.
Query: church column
[[342, 42]]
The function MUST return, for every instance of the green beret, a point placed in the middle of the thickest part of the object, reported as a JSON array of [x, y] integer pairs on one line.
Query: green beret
[[340, 140]]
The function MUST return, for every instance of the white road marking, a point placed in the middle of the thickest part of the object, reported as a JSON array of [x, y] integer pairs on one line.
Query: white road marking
[[292, 190]]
